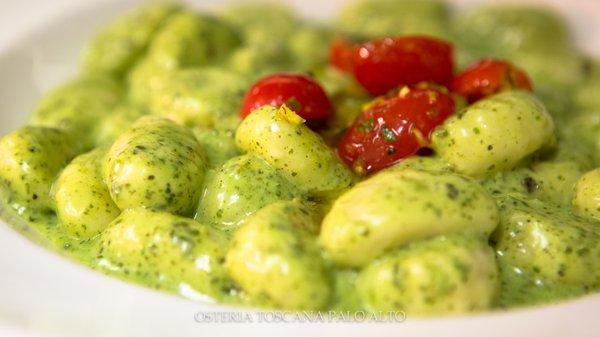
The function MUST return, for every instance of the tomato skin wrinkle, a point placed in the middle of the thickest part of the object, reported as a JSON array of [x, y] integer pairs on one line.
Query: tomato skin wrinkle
[[394, 128], [489, 76], [299, 92], [384, 64]]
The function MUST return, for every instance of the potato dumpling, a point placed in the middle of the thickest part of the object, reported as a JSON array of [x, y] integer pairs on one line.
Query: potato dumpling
[[345, 297], [189, 39], [582, 135], [218, 143], [240, 187], [557, 102], [254, 62], [146, 79], [275, 259], [30, 159], [186, 40], [392, 209], [587, 96], [378, 18], [83, 204], [280, 137], [112, 126], [261, 26], [203, 97], [556, 180], [78, 107], [586, 201], [156, 164], [168, 249], [546, 245], [501, 30], [117, 46], [306, 46], [445, 275], [180, 42], [552, 182], [559, 69], [434, 164], [494, 134]]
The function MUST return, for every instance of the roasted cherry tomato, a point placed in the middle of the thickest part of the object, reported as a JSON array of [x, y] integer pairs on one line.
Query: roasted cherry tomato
[[300, 93], [487, 77], [384, 64], [341, 54], [394, 128]]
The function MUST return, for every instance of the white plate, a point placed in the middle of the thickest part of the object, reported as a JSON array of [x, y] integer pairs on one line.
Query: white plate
[[44, 294]]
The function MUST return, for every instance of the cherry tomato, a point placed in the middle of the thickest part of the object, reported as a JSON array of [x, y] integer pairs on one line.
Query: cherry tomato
[[300, 93], [487, 77], [341, 54], [394, 128], [384, 64]]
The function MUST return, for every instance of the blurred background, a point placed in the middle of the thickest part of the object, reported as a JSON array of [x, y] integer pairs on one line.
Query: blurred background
[[18, 16]]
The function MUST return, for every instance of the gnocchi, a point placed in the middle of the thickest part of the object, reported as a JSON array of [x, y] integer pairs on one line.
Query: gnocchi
[[280, 137], [447, 274], [83, 204], [393, 209], [156, 164], [494, 134], [275, 257], [30, 158]]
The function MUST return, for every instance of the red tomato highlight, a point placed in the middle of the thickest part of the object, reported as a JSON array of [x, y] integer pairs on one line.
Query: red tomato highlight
[[487, 77], [300, 93], [394, 128], [384, 64]]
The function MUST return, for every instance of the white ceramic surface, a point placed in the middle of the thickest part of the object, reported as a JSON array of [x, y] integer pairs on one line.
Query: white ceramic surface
[[43, 294]]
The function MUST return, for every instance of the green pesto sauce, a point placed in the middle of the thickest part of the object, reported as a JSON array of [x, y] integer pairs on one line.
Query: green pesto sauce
[[141, 168]]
